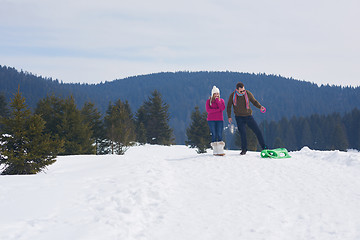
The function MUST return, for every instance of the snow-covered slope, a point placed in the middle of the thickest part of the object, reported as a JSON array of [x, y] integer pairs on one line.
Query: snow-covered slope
[[172, 193]]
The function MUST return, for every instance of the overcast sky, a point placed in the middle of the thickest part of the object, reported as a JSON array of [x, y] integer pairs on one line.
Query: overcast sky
[[93, 41]]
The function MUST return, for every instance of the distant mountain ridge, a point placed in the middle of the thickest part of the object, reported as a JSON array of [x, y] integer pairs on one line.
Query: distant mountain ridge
[[283, 97]]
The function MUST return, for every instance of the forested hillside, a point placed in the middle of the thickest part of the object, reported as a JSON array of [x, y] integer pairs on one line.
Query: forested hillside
[[321, 132], [182, 91]]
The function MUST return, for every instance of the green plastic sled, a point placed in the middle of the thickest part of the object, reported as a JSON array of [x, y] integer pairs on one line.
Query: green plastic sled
[[275, 153]]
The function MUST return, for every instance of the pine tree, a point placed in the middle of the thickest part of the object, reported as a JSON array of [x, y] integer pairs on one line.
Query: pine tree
[[4, 112], [351, 123], [120, 127], [306, 135], [64, 121], [141, 133], [339, 139], [140, 120], [270, 133], [198, 132], [316, 131], [156, 121], [25, 148], [278, 143], [287, 134], [92, 117], [51, 110], [76, 133], [355, 118]]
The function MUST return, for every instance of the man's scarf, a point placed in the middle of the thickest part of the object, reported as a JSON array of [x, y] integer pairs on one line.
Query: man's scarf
[[236, 93]]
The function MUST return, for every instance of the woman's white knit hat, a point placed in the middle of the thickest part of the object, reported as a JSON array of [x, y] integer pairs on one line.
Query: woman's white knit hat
[[215, 90]]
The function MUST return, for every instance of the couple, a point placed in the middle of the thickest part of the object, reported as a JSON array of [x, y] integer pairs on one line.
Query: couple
[[240, 100]]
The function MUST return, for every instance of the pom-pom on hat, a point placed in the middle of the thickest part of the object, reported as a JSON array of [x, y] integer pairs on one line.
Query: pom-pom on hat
[[215, 90]]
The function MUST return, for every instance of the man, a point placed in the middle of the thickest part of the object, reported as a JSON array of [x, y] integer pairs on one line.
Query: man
[[240, 99]]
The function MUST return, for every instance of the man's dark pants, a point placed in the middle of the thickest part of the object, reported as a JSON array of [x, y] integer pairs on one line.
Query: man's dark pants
[[250, 121]]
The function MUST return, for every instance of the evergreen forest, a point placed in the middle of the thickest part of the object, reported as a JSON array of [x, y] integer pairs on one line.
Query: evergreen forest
[[31, 141], [298, 114], [320, 132]]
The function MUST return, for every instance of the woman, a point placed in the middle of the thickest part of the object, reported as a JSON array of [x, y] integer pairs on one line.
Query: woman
[[215, 107]]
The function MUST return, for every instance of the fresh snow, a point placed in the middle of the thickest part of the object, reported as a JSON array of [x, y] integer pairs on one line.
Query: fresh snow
[[173, 193]]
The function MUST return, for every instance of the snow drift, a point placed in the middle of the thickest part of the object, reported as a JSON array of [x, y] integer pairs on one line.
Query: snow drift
[[172, 193]]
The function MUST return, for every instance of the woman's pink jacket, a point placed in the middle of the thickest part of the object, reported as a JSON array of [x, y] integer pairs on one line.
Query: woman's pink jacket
[[215, 111]]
